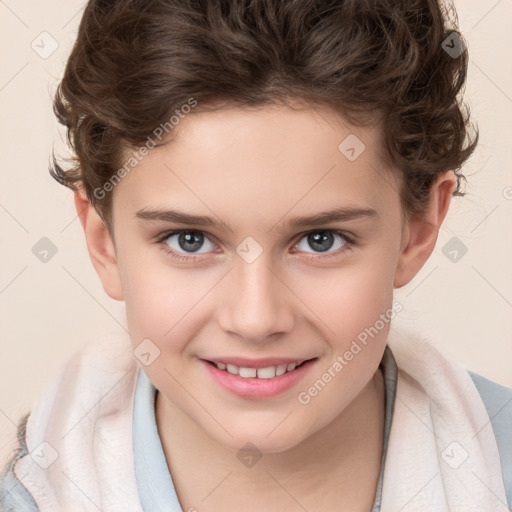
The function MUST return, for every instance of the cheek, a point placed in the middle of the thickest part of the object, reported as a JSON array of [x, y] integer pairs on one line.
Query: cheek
[[351, 297], [356, 306], [166, 304], [157, 300], [154, 297]]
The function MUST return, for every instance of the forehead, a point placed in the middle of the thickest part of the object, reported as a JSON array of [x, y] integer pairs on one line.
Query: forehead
[[265, 159]]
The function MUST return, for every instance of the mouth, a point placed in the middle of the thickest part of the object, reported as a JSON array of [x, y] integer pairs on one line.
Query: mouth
[[261, 380]]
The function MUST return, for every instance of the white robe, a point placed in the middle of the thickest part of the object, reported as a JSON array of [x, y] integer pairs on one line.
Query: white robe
[[442, 453]]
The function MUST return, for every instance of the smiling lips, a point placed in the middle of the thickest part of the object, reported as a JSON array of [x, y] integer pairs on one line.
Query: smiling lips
[[257, 379]]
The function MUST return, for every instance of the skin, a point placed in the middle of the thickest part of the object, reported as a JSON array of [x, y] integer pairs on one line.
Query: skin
[[254, 169]]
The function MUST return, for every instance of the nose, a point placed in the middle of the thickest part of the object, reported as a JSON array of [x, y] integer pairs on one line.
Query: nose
[[258, 303]]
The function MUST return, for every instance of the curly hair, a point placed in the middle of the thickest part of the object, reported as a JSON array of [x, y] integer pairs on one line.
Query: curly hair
[[135, 62]]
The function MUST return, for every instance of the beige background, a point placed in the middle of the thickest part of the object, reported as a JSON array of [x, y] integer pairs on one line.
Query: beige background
[[50, 309]]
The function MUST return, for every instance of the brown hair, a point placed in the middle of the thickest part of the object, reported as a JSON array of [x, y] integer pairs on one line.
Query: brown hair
[[135, 62]]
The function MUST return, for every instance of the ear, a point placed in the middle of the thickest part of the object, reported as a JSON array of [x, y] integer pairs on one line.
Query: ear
[[421, 230], [100, 246]]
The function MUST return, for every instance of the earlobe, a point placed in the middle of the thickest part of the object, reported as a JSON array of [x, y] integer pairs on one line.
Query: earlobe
[[100, 246], [421, 230]]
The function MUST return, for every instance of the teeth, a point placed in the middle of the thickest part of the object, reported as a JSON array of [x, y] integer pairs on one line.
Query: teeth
[[247, 372], [261, 373], [281, 369], [232, 369], [266, 373]]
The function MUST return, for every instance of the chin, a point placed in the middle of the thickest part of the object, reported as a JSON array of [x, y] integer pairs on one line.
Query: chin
[[261, 441]]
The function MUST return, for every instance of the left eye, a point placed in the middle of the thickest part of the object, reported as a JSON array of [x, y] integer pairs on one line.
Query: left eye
[[322, 241]]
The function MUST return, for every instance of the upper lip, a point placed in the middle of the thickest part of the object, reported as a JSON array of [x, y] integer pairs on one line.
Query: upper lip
[[265, 362]]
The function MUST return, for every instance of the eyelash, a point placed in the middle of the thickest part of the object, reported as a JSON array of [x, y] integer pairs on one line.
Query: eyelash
[[349, 243]]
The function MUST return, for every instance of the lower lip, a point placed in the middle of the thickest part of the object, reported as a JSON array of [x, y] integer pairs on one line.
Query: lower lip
[[255, 388]]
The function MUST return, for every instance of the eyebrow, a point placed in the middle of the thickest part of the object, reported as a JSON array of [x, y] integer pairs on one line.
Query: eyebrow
[[326, 217]]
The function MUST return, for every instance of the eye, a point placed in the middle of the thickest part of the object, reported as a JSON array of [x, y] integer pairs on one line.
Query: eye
[[323, 241], [179, 243]]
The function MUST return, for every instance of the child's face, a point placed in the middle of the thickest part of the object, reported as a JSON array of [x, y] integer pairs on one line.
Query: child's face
[[299, 299]]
